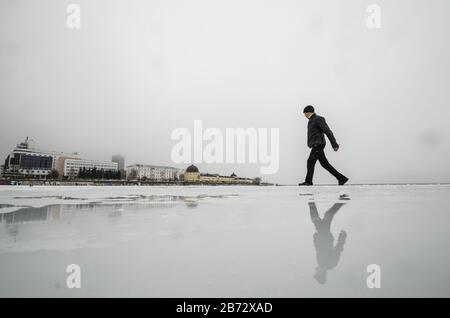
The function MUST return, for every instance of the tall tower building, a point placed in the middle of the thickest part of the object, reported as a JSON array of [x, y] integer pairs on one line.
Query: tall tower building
[[120, 160]]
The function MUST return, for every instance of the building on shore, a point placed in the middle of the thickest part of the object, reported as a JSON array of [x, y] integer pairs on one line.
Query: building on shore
[[60, 163], [72, 167], [152, 173], [27, 161], [193, 175], [120, 160]]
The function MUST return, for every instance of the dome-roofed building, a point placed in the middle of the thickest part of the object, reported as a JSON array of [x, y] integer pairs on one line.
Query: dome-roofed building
[[192, 174], [192, 168]]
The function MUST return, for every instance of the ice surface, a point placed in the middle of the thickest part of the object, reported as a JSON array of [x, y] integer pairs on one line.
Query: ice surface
[[225, 241]]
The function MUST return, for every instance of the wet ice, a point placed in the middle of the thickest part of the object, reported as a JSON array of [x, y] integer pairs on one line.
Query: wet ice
[[226, 241]]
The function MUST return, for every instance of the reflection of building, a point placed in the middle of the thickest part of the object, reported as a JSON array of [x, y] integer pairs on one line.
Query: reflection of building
[[26, 160], [31, 214], [73, 166], [192, 174], [152, 173]]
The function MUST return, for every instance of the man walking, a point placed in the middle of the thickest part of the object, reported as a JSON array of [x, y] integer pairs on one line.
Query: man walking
[[317, 127]]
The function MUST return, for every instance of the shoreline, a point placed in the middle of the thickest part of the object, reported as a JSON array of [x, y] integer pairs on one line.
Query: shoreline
[[14, 183]]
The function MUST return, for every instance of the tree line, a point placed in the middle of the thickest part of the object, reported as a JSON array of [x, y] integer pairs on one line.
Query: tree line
[[95, 173]]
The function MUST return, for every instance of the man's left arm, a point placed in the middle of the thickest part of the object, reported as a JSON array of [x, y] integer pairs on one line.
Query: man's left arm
[[327, 131]]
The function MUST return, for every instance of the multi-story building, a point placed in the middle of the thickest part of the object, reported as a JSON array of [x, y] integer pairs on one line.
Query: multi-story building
[[27, 160], [152, 173], [120, 160], [60, 164], [193, 175], [72, 166]]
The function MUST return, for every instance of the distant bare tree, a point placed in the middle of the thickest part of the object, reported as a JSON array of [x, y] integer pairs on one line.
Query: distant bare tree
[[54, 174]]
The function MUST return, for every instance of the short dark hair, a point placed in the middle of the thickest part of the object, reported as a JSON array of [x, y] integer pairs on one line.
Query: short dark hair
[[308, 109]]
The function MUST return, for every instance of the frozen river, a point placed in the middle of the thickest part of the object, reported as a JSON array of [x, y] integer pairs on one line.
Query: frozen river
[[225, 241]]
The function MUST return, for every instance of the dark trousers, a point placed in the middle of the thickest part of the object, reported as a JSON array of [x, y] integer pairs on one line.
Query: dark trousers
[[318, 154], [323, 225]]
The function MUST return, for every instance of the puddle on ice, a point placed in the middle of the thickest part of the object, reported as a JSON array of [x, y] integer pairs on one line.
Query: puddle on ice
[[115, 204]]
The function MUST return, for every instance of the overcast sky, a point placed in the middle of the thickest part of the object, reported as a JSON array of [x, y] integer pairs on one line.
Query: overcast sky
[[138, 69]]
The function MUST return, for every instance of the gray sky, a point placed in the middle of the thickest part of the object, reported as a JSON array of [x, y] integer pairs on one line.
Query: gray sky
[[138, 69]]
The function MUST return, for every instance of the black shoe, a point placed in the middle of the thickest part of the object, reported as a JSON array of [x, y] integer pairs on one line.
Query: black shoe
[[343, 181], [305, 184]]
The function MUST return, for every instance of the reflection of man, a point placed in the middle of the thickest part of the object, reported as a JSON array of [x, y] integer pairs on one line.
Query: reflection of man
[[327, 254]]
